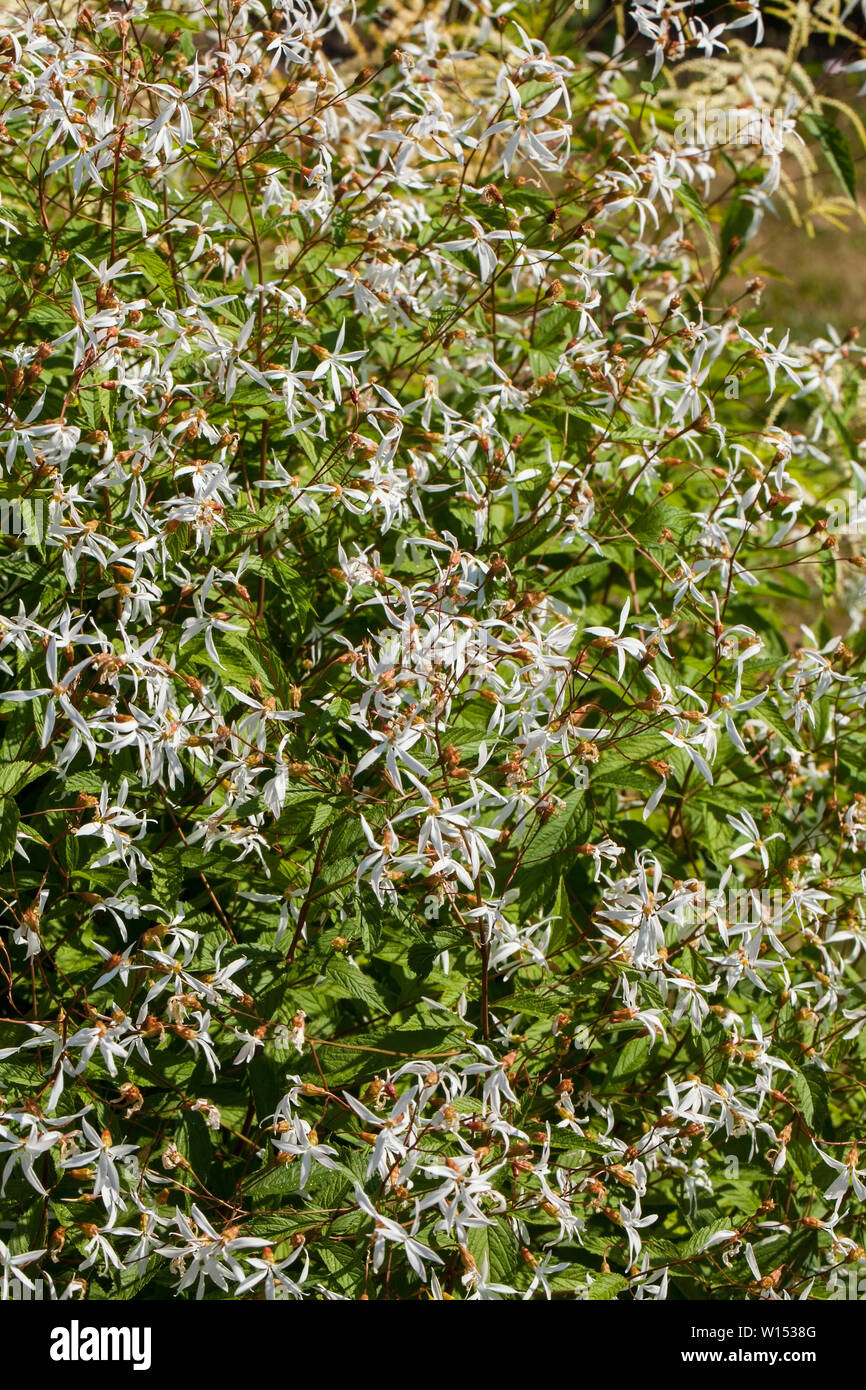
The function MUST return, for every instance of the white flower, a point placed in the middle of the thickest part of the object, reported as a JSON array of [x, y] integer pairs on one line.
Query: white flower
[[612, 639], [13, 1266], [480, 244], [745, 824], [105, 1154], [417, 1254], [335, 365], [26, 1151], [301, 1141], [850, 1176]]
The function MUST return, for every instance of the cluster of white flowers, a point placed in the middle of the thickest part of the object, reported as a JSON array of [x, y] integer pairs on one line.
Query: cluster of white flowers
[[402, 662]]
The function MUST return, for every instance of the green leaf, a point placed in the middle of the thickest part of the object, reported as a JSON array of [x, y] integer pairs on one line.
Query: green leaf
[[736, 228], [157, 270], [768, 712], [194, 1142], [811, 1094], [495, 1247], [549, 851], [171, 19], [606, 1286], [561, 930], [836, 150], [828, 575], [695, 207], [9, 819], [698, 1241], [352, 984], [362, 1056], [630, 1059], [565, 827]]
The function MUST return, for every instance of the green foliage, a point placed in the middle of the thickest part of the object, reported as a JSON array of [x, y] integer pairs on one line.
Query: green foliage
[[432, 715]]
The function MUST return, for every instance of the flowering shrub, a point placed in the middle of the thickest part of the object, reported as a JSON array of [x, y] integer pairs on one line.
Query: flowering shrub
[[433, 690]]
